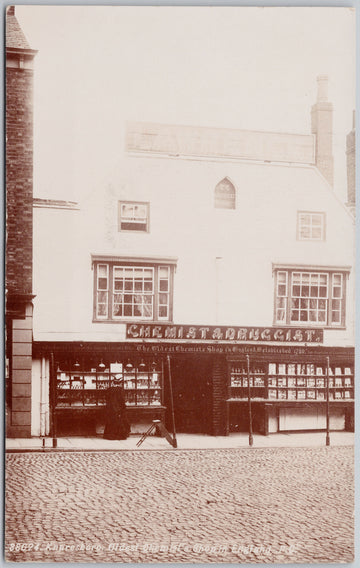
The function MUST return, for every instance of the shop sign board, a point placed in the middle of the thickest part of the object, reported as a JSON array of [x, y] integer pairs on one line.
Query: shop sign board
[[223, 333]]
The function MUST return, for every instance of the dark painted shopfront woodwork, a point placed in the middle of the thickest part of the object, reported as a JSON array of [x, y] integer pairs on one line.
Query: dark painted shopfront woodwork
[[210, 385]]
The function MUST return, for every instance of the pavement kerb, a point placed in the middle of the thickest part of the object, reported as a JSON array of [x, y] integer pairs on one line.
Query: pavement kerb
[[185, 442], [116, 450]]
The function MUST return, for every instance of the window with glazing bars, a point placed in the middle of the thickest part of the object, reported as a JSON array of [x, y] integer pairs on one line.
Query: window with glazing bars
[[311, 226], [316, 298], [132, 292]]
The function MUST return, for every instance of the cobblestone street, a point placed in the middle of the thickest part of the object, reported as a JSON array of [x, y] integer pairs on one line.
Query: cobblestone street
[[245, 505]]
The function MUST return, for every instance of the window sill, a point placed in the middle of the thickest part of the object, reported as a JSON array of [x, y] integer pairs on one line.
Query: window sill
[[137, 231], [136, 321], [304, 325]]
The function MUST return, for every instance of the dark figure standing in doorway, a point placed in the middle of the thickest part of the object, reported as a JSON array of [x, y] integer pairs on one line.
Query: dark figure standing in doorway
[[117, 426]]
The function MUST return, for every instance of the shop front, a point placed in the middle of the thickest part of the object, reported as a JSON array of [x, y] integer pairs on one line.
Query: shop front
[[205, 386]]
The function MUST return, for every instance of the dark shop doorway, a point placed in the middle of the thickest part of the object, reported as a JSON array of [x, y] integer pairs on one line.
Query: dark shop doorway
[[191, 380]]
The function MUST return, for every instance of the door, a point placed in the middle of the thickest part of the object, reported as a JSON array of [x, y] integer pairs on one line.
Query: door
[[191, 378]]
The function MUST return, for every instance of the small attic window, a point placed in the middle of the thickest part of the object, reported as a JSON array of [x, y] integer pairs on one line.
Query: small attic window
[[225, 195]]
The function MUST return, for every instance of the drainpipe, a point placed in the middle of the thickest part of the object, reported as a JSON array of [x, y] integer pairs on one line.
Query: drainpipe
[[218, 260]]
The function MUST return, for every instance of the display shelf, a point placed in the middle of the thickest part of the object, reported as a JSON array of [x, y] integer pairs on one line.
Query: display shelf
[[87, 388], [291, 381]]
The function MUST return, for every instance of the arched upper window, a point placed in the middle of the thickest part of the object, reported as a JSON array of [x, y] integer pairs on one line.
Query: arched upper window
[[225, 195]]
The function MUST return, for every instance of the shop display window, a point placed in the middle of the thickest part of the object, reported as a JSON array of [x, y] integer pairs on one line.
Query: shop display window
[[290, 381], [142, 383], [240, 383]]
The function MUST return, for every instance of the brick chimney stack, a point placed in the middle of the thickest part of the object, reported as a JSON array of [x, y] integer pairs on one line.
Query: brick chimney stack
[[350, 164], [19, 227], [322, 127]]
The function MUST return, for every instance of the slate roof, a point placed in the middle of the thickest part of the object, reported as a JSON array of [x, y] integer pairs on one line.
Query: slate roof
[[15, 38], [184, 140]]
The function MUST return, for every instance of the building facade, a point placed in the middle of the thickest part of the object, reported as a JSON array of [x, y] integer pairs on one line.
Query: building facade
[[19, 228], [213, 267], [213, 274]]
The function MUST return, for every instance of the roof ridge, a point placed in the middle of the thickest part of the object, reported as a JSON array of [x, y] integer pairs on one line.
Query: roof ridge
[[15, 37]]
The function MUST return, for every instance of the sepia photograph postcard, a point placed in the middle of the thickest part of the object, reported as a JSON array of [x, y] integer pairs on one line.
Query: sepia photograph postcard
[[179, 284]]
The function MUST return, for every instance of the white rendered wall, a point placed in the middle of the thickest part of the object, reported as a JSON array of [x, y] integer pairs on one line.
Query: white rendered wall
[[236, 289]]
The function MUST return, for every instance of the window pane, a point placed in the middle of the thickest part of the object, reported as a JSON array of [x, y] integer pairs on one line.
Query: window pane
[[296, 291], [305, 291], [163, 298], [138, 285], [336, 292], [335, 317], [101, 310], [127, 311], [102, 284], [280, 315], [305, 219], [118, 310], [147, 311], [163, 311], [127, 210], [323, 292], [102, 297], [140, 212], [314, 291], [305, 233], [138, 310], [102, 270]]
